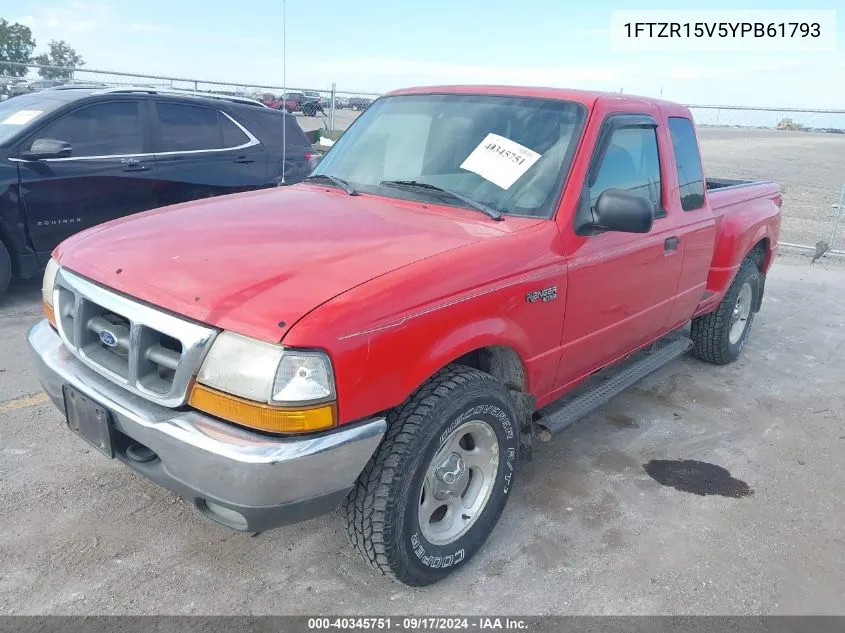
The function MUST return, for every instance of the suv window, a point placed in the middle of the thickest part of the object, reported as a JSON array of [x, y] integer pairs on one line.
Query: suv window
[[101, 129], [688, 160], [187, 128], [25, 112], [631, 162]]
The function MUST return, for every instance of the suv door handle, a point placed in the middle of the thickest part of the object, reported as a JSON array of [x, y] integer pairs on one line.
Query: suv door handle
[[244, 160], [671, 244], [133, 164]]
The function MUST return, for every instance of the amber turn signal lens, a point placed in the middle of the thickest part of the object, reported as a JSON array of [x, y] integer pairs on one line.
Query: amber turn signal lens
[[261, 416], [49, 313]]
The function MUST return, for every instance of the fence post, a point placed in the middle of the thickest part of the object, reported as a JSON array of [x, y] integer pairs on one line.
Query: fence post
[[838, 215], [331, 113]]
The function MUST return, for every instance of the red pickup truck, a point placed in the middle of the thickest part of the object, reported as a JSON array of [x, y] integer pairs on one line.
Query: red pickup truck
[[468, 267]]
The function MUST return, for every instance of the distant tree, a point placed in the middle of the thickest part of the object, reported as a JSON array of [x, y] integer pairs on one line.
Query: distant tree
[[61, 54], [16, 45]]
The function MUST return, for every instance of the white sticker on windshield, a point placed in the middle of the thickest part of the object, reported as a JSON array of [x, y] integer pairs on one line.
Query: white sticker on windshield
[[500, 160], [21, 117]]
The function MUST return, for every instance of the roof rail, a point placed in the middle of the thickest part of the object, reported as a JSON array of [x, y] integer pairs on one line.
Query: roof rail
[[79, 86], [186, 93]]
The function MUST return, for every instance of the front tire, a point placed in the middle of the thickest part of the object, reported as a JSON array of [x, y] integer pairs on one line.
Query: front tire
[[436, 487], [719, 337]]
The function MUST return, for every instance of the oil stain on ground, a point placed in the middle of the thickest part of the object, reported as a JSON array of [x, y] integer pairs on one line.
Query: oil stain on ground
[[699, 478]]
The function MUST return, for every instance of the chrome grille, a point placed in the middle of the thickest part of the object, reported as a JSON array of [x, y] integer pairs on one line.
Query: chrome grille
[[152, 353]]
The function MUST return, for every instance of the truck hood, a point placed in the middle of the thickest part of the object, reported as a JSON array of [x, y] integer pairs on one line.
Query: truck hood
[[256, 263]]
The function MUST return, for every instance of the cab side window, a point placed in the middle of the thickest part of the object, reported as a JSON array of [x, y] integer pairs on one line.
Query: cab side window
[[688, 161], [631, 162]]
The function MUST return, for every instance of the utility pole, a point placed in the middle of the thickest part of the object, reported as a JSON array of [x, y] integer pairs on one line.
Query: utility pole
[[284, 89]]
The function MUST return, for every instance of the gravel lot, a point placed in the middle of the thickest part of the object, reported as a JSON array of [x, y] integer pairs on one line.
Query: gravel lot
[[809, 167], [586, 530]]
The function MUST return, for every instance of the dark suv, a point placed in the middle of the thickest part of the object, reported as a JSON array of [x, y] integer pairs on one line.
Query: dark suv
[[71, 158]]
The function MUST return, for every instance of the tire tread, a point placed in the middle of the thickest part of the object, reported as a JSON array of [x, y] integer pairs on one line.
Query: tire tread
[[370, 502], [710, 332], [5, 268]]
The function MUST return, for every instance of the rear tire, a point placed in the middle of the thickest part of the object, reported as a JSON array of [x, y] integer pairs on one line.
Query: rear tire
[[5, 269], [443, 473], [719, 337]]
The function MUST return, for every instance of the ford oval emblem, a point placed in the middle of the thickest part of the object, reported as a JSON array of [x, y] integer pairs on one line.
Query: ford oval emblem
[[108, 338]]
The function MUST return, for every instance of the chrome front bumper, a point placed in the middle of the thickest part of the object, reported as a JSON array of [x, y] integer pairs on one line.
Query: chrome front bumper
[[260, 482]]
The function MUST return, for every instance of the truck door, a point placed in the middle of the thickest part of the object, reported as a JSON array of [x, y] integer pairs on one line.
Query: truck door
[[621, 286], [106, 176], [696, 227]]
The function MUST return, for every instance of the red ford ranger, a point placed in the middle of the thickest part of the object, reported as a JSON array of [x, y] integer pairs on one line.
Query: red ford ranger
[[468, 268]]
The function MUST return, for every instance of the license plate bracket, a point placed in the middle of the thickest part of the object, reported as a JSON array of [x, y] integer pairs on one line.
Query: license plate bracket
[[88, 420]]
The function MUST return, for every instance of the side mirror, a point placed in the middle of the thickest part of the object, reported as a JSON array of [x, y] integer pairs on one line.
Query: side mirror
[[47, 148], [314, 159], [620, 210]]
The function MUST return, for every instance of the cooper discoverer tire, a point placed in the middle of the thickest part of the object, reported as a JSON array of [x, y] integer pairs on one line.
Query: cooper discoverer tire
[[438, 483], [719, 337]]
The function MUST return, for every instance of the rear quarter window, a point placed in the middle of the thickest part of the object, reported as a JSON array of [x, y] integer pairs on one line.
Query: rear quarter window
[[688, 161], [268, 126]]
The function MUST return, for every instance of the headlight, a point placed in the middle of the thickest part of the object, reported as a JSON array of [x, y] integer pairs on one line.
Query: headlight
[[49, 281], [47, 286], [266, 386], [241, 366]]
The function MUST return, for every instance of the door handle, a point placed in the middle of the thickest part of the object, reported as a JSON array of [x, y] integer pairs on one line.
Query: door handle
[[671, 244], [133, 164], [243, 160]]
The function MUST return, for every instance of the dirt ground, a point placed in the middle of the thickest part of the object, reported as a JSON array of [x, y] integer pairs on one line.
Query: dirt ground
[[587, 530], [809, 167]]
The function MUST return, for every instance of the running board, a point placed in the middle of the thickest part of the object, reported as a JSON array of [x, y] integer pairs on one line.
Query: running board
[[604, 385]]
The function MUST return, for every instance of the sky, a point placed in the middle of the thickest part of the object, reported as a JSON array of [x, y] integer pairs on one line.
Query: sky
[[378, 45]]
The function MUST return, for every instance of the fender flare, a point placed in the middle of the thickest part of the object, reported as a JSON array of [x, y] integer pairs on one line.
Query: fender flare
[[465, 339]]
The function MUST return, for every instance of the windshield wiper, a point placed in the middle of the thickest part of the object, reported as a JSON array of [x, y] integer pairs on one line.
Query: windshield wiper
[[338, 182], [413, 184]]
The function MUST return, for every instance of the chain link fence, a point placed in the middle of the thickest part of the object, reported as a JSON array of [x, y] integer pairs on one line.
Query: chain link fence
[[320, 108], [802, 150]]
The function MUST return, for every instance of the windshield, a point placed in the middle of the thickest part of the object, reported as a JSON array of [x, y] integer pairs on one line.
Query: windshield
[[508, 153], [16, 113]]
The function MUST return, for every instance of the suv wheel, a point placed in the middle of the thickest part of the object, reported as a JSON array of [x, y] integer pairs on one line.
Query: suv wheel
[[435, 488], [5, 269]]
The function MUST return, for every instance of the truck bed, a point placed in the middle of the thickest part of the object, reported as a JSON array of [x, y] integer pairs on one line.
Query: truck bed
[[722, 183], [724, 193]]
